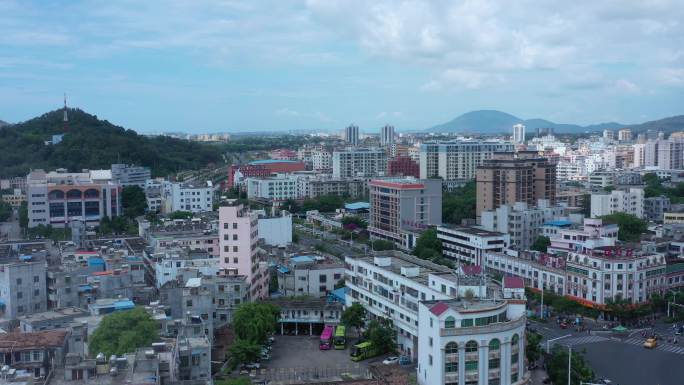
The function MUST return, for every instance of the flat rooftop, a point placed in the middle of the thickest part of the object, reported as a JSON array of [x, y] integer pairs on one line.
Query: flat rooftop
[[472, 230], [399, 260], [55, 314], [463, 305]]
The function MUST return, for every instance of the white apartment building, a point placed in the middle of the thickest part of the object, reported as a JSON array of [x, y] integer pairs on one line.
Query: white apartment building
[[238, 236], [276, 231], [518, 133], [457, 160], [469, 244], [523, 223], [618, 201], [392, 284], [321, 161], [351, 135], [387, 135], [474, 341], [130, 175], [594, 233], [279, 188], [315, 186], [353, 162], [57, 198], [187, 197]]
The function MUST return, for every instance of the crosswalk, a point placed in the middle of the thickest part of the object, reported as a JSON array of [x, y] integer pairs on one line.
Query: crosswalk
[[661, 346], [582, 340]]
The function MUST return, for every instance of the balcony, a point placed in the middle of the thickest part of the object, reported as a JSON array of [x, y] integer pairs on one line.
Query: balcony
[[494, 354], [494, 373], [471, 376], [472, 356], [453, 357], [451, 377]]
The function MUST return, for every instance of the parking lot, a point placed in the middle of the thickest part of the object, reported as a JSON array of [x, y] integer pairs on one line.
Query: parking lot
[[298, 358]]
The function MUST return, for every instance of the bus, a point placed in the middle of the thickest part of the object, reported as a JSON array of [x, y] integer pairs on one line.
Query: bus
[[340, 337], [364, 350], [326, 338]]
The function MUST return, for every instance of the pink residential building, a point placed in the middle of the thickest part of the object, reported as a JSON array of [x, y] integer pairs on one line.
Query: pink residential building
[[238, 236]]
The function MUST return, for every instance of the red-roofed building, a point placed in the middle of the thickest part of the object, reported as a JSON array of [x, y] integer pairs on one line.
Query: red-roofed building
[[471, 269], [439, 308], [261, 169]]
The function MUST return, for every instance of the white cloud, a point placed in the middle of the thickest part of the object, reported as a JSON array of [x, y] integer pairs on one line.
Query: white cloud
[[463, 79], [672, 76], [624, 85], [319, 116]]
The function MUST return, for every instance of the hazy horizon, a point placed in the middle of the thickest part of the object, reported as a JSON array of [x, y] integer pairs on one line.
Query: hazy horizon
[[320, 65]]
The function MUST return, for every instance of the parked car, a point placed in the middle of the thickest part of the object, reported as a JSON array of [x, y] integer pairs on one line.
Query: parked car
[[253, 365], [650, 343], [391, 360]]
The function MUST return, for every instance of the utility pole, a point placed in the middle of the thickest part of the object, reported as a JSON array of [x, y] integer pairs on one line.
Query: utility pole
[[542, 302], [569, 363]]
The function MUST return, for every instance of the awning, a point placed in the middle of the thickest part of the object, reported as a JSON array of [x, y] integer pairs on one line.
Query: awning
[[124, 305], [83, 288], [283, 270]]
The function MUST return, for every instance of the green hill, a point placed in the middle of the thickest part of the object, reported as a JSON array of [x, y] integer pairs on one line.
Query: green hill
[[92, 143]]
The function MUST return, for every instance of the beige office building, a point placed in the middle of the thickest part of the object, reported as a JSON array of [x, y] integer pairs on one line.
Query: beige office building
[[509, 177]]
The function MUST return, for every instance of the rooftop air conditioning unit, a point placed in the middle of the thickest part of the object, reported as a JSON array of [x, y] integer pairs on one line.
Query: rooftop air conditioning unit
[[382, 261], [410, 271]]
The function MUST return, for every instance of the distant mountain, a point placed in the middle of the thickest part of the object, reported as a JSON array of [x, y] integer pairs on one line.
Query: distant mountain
[[492, 122], [3, 123], [667, 125], [93, 143]]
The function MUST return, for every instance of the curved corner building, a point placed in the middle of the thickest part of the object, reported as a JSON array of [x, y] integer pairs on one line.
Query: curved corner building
[[474, 341]]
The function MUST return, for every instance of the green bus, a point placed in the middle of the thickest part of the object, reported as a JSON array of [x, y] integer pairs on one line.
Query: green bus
[[364, 350], [340, 339]]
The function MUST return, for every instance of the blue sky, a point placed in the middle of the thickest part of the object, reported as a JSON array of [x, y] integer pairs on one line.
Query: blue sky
[[209, 66]]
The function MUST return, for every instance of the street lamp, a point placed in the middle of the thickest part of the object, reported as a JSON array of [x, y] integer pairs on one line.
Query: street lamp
[[548, 342]]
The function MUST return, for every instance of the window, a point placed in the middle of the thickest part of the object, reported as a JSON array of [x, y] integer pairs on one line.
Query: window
[[235, 237], [36, 278], [234, 225], [494, 344], [471, 365], [467, 322], [471, 347], [451, 348], [430, 359], [322, 278], [402, 316], [494, 363], [451, 367], [18, 281], [449, 322], [235, 249], [430, 341]]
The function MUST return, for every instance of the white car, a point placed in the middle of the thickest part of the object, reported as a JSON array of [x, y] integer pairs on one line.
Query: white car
[[391, 360]]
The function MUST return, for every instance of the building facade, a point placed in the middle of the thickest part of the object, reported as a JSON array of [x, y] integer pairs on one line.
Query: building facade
[[58, 198], [355, 162], [468, 245], [508, 178], [23, 290], [130, 175], [280, 188], [618, 201], [457, 160], [351, 135], [387, 135], [403, 166], [399, 208]]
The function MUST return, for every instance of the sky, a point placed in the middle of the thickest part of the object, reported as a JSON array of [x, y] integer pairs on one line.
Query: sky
[[281, 65]]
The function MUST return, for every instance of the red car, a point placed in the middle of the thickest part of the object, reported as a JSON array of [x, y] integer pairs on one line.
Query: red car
[[563, 325]]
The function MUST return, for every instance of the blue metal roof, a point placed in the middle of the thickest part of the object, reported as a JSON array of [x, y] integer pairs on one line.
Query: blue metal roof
[[357, 206], [558, 223], [283, 270], [269, 161], [83, 288], [124, 305], [340, 293], [95, 261], [301, 259]]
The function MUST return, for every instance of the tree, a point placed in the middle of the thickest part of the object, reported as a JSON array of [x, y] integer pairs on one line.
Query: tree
[[429, 247], [630, 226], [459, 204], [323, 203], [234, 381], [244, 351], [254, 321], [180, 215], [23, 215], [354, 220], [291, 205], [133, 201], [558, 367], [533, 349], [541, 243], [123, 332], [340, 284], [381, 333], [273, 283], [5, 211], [381, 245], [354, 316]]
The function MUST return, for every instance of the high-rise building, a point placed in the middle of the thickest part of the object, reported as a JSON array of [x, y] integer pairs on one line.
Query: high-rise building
[[238, 236], [387, 135], [403, 166], [351, 135], [671, 153], [508, 178], [401, 208], [354, 162], [625, 135], [56, 198], [608, 135], [518, 133], [456, 161]]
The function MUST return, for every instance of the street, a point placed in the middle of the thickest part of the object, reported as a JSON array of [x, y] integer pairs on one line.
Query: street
[[620, 357]]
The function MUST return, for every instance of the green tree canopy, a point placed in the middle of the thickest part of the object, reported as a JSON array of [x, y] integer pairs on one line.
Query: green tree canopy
[[381, 333], [654, 188], [541, 243], [533, 349], [180, 215], [354, 316], [23, 215], [381, 245], [429, 247], [459, 204], [580, 371], [254, 321], [354, 219], [133, 201], [630, 226], [5, 211], [123, 332], [323, 203]]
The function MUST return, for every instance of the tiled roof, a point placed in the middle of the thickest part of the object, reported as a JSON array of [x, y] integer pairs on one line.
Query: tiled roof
[[439, 308], [35, 340], [471, 269]]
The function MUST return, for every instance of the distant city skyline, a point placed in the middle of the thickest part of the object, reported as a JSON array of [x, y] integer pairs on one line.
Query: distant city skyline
[[322, 65]]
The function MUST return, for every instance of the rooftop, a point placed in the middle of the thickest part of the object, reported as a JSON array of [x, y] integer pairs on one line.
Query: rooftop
[[54, 314], [463, 305], [357, 206], [35, 340], [399, 260], [472, 230], [271, 161]]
